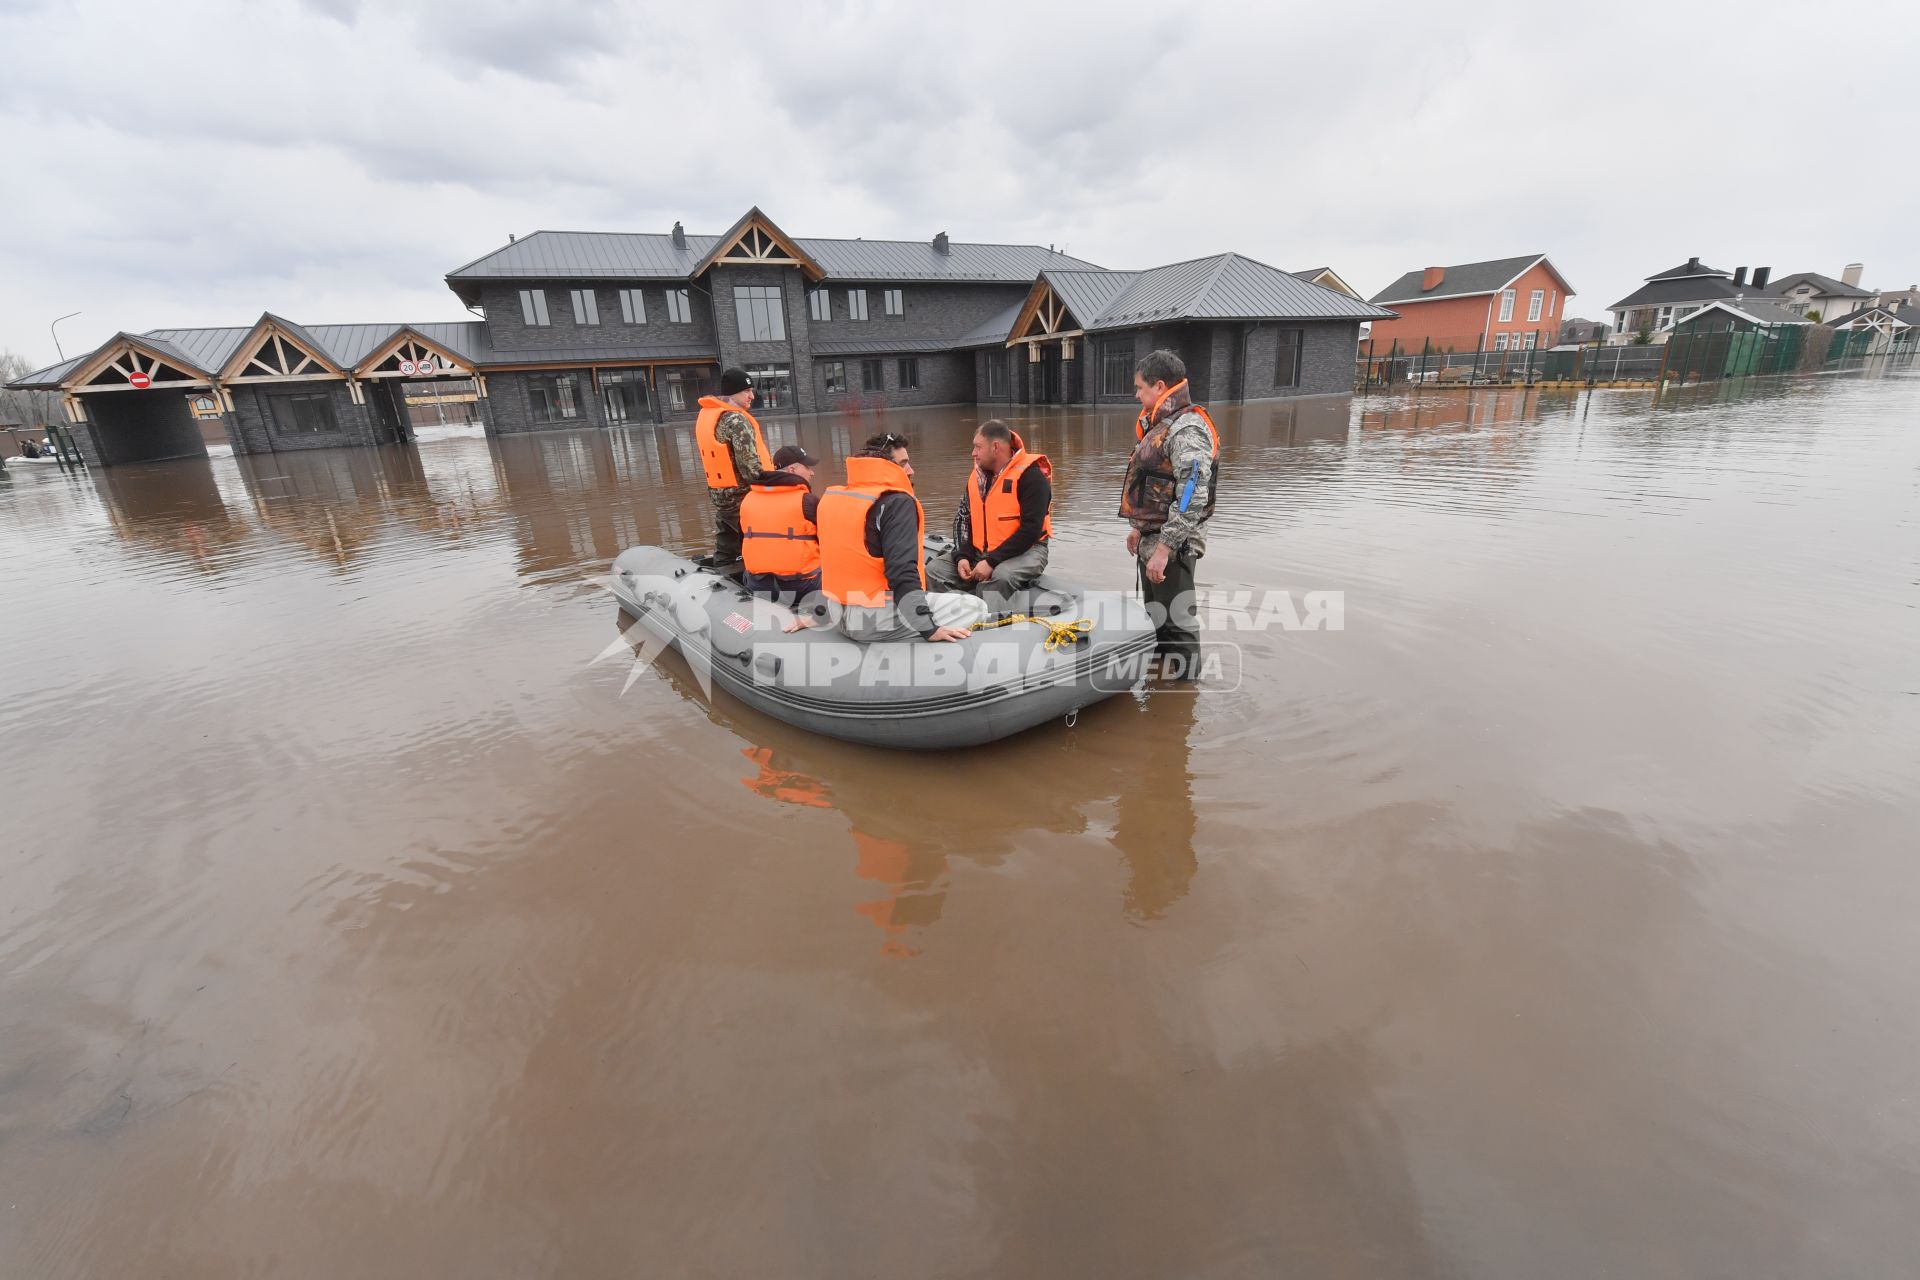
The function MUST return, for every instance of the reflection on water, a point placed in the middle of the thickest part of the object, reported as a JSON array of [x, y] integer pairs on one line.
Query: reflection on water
[[1553, 918]]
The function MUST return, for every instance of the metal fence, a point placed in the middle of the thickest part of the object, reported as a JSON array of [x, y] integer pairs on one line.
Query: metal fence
[[1698, 356]]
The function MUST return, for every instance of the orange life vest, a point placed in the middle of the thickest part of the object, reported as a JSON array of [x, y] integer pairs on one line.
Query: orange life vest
[[715, 454], [849, 573], [777, 537], [994, 518], [1150, 489]]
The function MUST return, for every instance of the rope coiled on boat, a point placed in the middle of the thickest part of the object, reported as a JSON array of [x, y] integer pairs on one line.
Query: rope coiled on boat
[[1058, 633]]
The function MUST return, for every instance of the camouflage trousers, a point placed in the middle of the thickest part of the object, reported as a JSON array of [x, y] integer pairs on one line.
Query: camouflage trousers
[[726, 523]]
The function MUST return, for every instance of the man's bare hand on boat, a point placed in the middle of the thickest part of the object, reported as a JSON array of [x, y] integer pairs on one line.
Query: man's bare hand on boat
[[950, 633]]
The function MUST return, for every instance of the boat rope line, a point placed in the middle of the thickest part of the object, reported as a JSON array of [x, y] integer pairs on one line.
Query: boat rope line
[[1059, 634]]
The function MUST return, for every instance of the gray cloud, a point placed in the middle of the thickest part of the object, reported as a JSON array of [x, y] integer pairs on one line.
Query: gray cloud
[[331, 159]]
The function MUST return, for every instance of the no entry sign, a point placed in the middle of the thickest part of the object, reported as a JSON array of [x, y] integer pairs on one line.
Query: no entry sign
[[141, 381]]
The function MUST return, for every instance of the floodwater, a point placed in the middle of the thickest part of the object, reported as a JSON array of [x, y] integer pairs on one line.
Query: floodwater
[[1555, 917]]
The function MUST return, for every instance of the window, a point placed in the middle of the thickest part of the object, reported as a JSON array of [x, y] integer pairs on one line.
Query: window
[[819, 304], [1506, 305], [856, 304], [1116, 368], [773, 385], [204, 406], [633, 306], [757, 309], [1661, 317], [554, 397], [1532, 339], [586, 307], [308, 413], [1535, 300], [872, 376], [679, 307], [896, 302], [909, 373], [996, 375], [533, 306], [625, 394], [834, 373], [1286, 369], [1499, 342], [1553, 300], [681, 388]]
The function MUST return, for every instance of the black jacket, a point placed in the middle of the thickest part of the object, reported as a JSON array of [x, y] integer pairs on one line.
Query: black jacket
[[893, 534], [1036, 499]]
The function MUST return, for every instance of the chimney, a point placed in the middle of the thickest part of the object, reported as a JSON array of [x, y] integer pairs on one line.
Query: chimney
[[1760, 277], [1431, 278], [679, 236], [1853, 273], [1739, 277], [940, 245], [1693, 266], [510, 237]]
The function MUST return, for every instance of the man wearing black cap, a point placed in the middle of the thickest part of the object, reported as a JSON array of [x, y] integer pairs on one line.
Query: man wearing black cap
[[780, 554], [734, 453]]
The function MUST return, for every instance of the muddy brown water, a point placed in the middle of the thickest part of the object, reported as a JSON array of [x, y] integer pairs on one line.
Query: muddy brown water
[[1556, 917]]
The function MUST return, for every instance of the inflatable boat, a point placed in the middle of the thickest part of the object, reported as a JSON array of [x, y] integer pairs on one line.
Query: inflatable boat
[[1055, 649]]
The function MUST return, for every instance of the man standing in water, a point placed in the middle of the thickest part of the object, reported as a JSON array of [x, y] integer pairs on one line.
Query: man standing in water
[[1167, 499], [733, 453]]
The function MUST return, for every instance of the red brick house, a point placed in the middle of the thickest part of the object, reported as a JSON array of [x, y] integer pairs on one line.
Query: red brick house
[[1509, 304]]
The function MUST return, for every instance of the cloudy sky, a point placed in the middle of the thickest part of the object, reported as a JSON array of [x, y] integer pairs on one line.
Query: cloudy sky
[[196, 163]]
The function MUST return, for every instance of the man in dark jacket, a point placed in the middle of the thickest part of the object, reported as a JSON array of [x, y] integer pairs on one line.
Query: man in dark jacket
[[892, 533], [1011, 496], [780, 551]]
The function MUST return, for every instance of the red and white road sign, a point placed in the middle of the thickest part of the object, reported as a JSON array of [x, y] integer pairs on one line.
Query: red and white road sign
[[141, 381], [425, 365], [406, 367]]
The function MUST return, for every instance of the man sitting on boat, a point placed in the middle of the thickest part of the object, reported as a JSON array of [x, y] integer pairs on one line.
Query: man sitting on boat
[[780, 549], [872, 561], [1005, 521]]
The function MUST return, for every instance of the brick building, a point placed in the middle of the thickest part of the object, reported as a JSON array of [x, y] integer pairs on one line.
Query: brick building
[[1507, 304], [581, 329]]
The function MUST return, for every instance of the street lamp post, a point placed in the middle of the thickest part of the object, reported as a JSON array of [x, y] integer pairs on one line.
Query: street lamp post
[[56, 337]]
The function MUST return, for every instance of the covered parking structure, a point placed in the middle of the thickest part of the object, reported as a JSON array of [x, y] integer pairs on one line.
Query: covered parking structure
[[272, 386]]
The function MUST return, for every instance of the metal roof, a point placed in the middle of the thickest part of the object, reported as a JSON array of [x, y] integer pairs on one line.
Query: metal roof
[[1086, 294], [345, 344], [1225, 286], [1687, 269], [1823, 286], [1660, 293], [883, 345], [630, 255], [1463, 280], [993, 331], [692, 352], [1760, 312]]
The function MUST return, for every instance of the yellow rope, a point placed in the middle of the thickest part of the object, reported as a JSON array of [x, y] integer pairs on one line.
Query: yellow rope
[[1058, 633]]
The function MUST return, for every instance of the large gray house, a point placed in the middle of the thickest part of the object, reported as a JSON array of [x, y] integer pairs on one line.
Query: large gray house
[[592, 329]]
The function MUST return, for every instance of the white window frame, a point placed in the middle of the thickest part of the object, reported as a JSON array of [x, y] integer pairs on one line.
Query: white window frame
[[819, 305], [586, 307], [1553, 302], [894, 301], [1662, 317], [679, 306], [633, 306], [856, 304], [1536, 301], [1507, 297], [1533, 339], [1499, 342], [533, 308]]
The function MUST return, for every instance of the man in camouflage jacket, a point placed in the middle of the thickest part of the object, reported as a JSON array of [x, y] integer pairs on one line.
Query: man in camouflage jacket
[[742, 438], [1167, 499]]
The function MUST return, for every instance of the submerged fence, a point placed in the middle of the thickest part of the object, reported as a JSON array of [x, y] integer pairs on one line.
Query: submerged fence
[[1697, 356]]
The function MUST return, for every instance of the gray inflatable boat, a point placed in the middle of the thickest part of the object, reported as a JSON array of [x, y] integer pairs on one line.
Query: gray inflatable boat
[[908, 694]]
